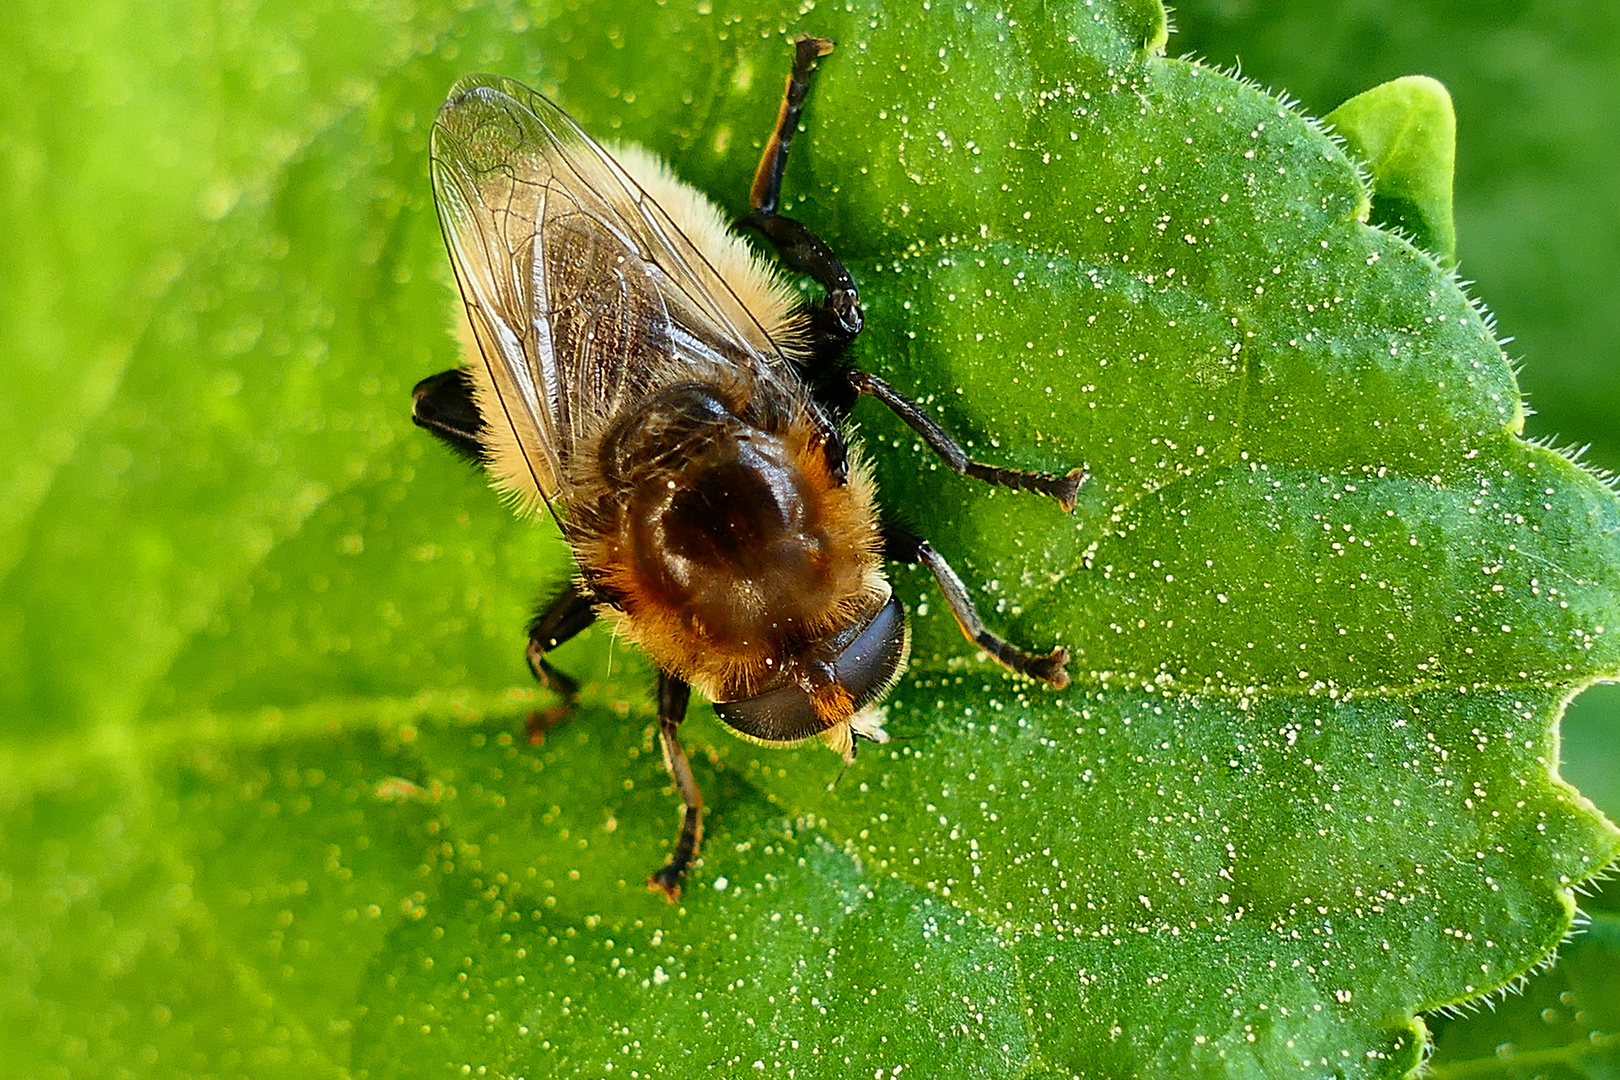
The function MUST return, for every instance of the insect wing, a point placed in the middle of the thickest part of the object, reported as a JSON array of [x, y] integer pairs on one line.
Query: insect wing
[[583, 294]]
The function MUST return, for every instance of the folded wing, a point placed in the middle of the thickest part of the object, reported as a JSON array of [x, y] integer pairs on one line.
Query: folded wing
[[582, 293]]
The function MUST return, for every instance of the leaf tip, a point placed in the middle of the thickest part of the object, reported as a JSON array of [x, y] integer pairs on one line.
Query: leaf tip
[[1405, 132]]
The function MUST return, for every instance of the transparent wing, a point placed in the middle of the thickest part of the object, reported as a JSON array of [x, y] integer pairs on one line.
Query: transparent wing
[[583, 294]]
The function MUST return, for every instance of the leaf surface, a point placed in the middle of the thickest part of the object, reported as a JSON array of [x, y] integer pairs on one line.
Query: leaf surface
[[1406, 133], [264, 672]]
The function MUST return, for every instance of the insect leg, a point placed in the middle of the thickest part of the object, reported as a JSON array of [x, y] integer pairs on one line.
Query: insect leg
[[672, 699], [903, 545], [837, 318], [1062, 488], [767, 190], [443, 404], [568, 613]]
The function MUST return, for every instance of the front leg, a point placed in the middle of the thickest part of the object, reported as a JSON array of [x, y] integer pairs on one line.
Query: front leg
[[673, 695], [903, 545]]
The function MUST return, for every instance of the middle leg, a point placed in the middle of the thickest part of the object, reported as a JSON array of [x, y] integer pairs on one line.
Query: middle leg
[[569, 613], [1062, 488]]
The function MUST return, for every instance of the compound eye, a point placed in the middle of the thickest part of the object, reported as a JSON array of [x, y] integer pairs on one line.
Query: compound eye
[[867, 667]]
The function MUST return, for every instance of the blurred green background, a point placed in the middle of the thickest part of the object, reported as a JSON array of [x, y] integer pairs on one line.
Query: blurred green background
[[1538, 200]]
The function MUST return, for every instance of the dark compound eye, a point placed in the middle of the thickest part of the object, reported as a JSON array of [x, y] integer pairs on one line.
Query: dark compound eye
[[867, 667]]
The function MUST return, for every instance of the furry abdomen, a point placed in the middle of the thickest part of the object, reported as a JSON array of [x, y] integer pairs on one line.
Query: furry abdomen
[[721, 538]]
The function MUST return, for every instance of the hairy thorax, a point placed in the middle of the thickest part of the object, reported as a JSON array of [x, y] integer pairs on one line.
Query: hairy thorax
[[724, 539]]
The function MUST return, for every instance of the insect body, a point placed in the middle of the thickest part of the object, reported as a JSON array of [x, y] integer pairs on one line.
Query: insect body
[[660, 390]]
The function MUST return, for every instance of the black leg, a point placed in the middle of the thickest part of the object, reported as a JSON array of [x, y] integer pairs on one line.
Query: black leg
[[443, 404], [903, 545], [766, 194], [1062, 488], [672, 698], [836, 318], [570, 612]]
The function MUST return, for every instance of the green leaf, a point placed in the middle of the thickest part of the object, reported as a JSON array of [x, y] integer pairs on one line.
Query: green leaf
[[1538, 168], [1537, 192], [263, 671], [1406, 134], [1566, 1023]]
